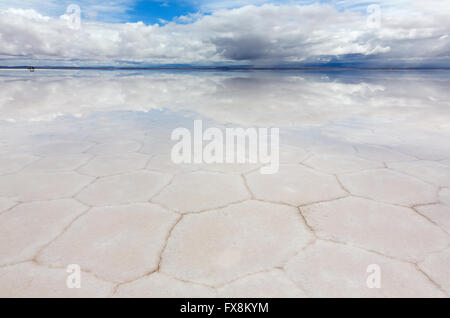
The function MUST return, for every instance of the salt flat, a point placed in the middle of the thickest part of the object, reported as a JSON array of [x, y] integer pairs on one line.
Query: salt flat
[[86, 178]]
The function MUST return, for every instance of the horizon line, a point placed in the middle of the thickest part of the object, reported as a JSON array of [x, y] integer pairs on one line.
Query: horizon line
[[218, 68]]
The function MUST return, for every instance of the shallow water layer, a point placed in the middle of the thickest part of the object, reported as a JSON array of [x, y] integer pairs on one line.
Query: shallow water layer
[[86, 178]]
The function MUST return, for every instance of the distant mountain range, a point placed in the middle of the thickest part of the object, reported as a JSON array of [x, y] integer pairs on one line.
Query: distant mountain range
[[220, 68]]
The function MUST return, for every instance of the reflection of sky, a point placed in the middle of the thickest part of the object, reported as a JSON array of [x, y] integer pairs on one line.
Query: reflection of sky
[[395, 109], [241, 98]]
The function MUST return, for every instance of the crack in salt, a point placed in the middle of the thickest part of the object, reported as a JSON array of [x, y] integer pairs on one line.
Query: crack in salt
[[160, 257]]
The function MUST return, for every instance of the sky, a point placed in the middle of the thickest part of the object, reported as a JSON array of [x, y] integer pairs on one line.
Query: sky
[[383, 33]]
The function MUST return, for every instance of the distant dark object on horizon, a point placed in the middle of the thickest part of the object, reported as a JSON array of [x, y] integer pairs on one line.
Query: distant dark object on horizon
[[31, 68]]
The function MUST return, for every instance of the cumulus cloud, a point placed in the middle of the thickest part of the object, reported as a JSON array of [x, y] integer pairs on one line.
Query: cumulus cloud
[[268, 34], [111, 10]]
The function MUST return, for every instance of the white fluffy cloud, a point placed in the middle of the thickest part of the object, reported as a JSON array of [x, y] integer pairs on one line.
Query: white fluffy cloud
[[416, 33], [112, 10]]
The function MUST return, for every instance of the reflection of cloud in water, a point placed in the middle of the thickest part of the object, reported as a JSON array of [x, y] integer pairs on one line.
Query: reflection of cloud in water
[[247, 99]]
